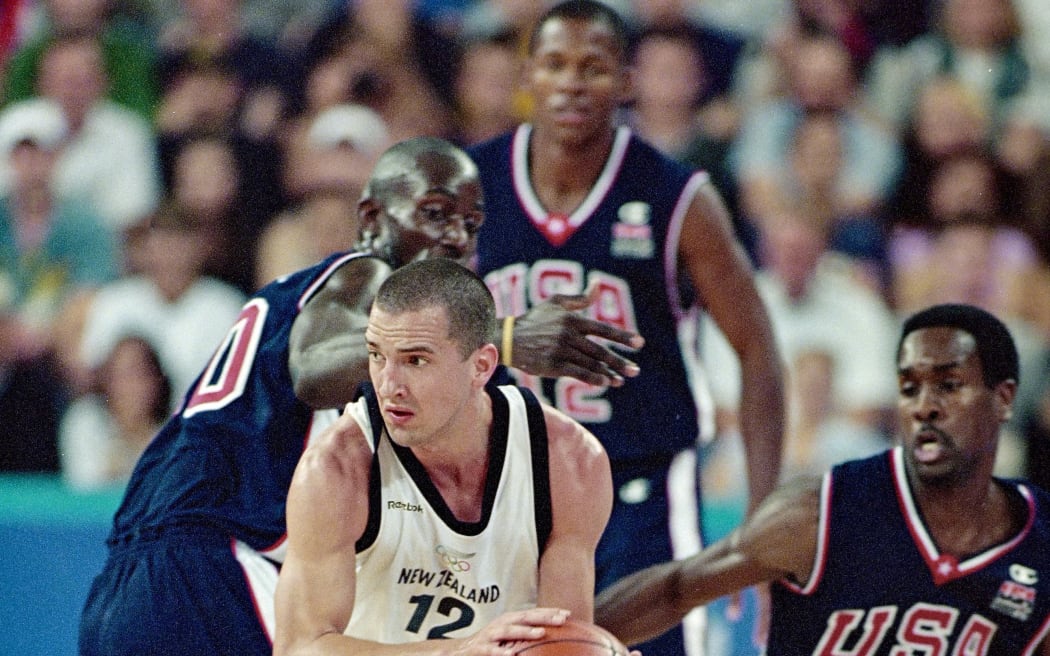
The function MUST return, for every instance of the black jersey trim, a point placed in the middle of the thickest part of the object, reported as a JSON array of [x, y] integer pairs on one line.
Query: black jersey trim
[[497, 459], [375, 483], [541, 476]]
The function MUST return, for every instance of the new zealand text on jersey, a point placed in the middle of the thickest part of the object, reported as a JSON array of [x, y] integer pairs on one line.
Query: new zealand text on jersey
[[445, 579]]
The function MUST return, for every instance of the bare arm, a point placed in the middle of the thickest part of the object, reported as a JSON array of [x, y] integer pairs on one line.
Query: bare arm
[[581, 502], [327, 511], [779, 540], [327, 355], [723, 277], [553, 339]]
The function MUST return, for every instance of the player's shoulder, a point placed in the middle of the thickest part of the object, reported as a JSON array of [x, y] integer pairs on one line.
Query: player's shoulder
[[340, 453], [652, 170], [569, 440], [490, 147]]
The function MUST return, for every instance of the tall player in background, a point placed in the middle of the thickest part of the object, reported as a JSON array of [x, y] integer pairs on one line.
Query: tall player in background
[[575, 201], [195, 543], [918, 550]]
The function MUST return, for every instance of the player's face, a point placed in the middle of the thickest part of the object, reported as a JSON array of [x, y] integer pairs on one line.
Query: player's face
[[577, 78], [421, 378], [949, 418], [438, 216]]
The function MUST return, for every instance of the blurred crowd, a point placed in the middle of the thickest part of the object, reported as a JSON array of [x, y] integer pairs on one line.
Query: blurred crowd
[[161, 160]]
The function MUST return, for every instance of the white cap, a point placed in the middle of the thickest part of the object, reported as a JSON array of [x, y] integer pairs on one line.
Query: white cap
[[39, 121], [353, 125]]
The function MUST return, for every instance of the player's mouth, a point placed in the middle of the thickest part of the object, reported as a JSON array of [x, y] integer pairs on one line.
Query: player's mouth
[[569, 113], [929, 445], [398, 415]]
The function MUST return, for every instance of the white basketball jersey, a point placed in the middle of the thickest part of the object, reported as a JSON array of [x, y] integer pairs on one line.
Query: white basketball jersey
[[427, 574]]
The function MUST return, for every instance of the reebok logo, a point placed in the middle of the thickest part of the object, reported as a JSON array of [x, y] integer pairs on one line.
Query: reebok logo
[[402, 505]]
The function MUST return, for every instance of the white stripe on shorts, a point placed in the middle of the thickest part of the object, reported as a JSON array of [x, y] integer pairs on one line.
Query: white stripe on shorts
[[684, 513], [261, 576]]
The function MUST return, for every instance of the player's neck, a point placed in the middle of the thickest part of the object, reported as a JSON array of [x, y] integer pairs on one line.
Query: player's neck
[[460, 472], [556, 156], [461, 449], [563, 171], [985, 523]]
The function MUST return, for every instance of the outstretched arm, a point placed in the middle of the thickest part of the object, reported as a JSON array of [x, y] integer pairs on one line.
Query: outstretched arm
[[723, 277], [327, 355], [778, 541], [555, 339]]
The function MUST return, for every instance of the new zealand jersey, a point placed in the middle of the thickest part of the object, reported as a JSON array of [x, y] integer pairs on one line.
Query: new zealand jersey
[[881, 586], [421, 572], [623, 237], [226, 459]]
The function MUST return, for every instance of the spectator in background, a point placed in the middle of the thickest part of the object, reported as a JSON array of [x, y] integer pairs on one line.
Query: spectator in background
[[1023, 151], [51, 249], [336, 149], [171, 303], [719, 48], [970, 253], [403, 66], [103, 433], [976, 42], [205, 100], [810, 183], [965, 189], [326, 176], [821, 79], [213, 31], [815, 301], [327, 82], [677, 107], [487, 78], [947, 119], [669, 83], [209, 182], [110, 158], [128, 60], [32, 399]]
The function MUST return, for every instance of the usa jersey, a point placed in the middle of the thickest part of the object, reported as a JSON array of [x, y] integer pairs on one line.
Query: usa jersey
[[881, 586], [624, 238], [421, 572], [226, 459]]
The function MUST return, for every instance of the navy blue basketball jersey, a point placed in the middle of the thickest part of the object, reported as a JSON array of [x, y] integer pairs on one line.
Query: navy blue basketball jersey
[[623, 238], [226, 459], [881, 586]]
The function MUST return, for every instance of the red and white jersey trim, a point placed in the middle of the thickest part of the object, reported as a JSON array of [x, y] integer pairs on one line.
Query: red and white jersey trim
[[945, 567]]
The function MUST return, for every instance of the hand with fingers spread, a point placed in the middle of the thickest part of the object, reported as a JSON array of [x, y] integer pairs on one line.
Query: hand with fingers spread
[[555, 339]]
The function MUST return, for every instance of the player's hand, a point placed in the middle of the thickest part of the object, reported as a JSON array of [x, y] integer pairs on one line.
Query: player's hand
[[503, 635], [554, 339]]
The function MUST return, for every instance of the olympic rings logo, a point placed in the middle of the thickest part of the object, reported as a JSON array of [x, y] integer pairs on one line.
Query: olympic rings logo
[[452, 559]]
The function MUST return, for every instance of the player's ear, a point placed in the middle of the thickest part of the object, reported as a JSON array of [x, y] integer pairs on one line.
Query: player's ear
[[368, 212], [486, 359], [1005, 393]]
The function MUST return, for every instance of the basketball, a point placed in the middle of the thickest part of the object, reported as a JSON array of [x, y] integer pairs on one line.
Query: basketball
[[574, 638]]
